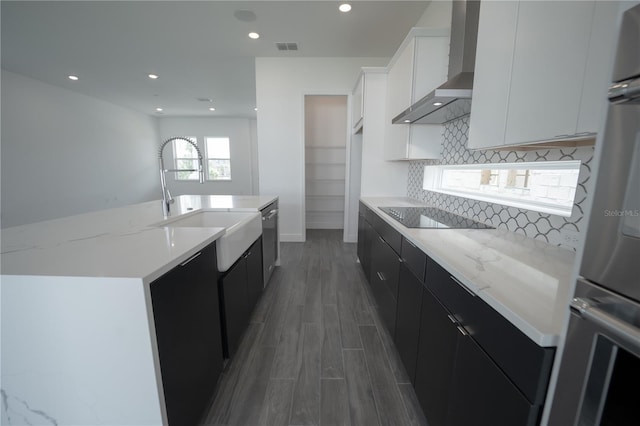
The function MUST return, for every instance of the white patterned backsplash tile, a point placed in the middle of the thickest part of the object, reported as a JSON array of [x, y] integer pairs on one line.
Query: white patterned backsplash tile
[[553, 229]]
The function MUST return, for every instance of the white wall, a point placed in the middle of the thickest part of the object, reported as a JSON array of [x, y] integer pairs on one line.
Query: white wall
[[437, 14], [281, 84], [241, 134], [64, 153], [254, 157]]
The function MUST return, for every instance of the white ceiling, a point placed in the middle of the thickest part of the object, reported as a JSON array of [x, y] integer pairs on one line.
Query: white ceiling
[[198, 48]]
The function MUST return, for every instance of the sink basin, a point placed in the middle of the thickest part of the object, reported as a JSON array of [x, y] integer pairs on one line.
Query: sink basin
[[241, 230]]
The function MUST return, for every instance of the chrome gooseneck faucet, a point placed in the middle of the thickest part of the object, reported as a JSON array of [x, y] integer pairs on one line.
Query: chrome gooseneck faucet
[[167, 200]]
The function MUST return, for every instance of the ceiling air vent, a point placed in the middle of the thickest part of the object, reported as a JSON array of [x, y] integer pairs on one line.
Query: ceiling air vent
[[287, 46]]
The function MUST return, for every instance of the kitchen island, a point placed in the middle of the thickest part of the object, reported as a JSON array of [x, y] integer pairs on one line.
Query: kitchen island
[[78, 332]]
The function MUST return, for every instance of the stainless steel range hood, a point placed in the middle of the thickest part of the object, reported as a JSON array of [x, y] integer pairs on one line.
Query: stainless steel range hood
[[452, 99]]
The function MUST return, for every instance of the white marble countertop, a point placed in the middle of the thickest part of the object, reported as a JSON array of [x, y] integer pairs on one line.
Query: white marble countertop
[[526, 280], [120, 242]]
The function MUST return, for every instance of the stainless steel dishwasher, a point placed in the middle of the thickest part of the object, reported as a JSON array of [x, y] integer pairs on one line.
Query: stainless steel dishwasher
[[269, 240]]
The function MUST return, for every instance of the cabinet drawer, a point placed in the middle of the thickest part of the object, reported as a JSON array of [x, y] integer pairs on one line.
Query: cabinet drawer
[[386, 231], [527, 364], [368, 214], [386, 265], [414, 258], [385, 270]]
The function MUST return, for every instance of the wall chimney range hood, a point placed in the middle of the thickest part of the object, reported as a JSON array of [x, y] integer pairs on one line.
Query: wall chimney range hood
[[452, 99]]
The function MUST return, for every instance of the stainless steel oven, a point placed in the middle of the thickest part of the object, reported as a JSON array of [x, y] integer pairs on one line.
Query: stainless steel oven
[[601, 361], [600, 364]]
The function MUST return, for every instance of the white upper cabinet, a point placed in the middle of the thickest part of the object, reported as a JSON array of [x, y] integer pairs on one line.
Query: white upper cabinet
[[419, 66], [541, 71], [357, 104]]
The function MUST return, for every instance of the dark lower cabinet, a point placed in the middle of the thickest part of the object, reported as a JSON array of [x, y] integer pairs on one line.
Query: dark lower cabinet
[[255, 281], [364, 244], [469, 365], [482, 393], [385, 268], [235, 309], [187, 322], [240, 288], [270, 243], [407, 329], [435, 361]]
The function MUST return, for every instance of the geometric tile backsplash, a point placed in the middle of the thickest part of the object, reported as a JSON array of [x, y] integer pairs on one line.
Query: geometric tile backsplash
[[557, 230]]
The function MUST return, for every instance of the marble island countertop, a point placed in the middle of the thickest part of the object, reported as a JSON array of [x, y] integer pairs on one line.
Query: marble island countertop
[[78, 326], [122, 242], [527, 281]]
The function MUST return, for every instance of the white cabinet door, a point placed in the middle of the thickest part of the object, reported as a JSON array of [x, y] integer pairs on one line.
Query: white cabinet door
[[430, 66], [542, 71], [492, 77], [552, 40], [418, 69], [399, 94]]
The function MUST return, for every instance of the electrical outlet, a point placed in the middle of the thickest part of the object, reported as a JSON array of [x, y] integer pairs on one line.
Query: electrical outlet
[[571, 238]]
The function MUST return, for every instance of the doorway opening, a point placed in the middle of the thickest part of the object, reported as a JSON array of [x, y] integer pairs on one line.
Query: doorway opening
[[325, 142]]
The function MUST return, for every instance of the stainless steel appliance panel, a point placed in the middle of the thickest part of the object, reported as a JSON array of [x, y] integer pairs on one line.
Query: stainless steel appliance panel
[[601, 361], [612, 244], [269, 240], [627, 62]]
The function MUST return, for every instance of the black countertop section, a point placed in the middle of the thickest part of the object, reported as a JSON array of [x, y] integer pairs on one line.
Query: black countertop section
[[431, 217]]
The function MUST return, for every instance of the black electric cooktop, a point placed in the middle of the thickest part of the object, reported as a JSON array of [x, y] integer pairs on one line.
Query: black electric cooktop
[[431, 217]]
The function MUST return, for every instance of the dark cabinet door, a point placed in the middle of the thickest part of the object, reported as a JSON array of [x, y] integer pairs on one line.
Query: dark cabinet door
[[408, 319], [483, 395], [255, 280], [187, 322], [235, 310], [437, 346], [269, 239], [364, 245], [385, 268]]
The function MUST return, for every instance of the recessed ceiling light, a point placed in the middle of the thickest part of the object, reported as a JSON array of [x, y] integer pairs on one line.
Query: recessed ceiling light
[[255, 109], [153, 76], [407, 121], [254, 36], [212, 109], [344, 7], [437, 103], [73, 77], [159, 109]]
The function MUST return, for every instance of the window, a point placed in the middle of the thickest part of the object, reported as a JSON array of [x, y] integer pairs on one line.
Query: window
[[548, 187], [218, 158], [186, 157]]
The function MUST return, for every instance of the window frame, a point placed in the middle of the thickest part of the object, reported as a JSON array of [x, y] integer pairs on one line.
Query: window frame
[[207, 158], [433, 181], [176, 175]]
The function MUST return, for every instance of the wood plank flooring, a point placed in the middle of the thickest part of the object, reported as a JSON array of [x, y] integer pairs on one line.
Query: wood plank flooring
[[315, 352]]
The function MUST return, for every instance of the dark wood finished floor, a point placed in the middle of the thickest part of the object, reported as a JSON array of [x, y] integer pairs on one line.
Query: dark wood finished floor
[[315, 352]]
